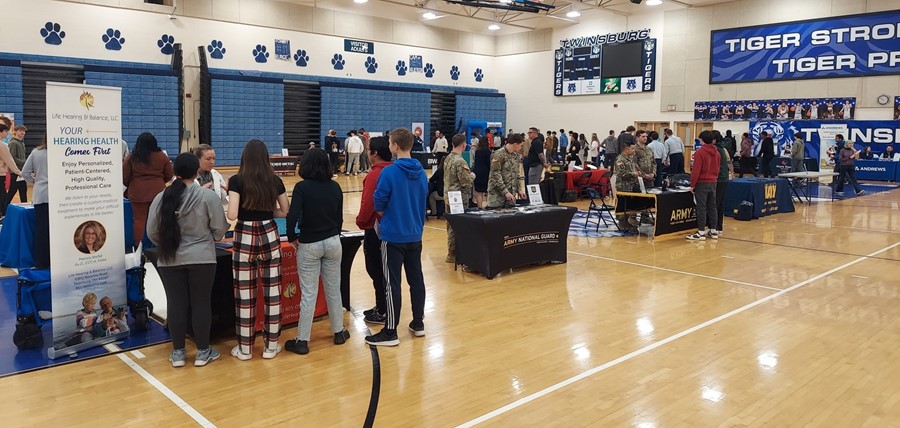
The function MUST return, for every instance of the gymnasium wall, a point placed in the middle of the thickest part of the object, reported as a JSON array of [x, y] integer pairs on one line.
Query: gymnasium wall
[[682, 74], [67, 32]]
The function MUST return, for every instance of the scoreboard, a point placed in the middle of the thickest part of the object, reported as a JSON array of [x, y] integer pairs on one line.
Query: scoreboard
[[593, 65]]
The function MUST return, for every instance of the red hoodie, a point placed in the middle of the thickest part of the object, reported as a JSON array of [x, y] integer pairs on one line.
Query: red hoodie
[[706, 165], [366, 218]]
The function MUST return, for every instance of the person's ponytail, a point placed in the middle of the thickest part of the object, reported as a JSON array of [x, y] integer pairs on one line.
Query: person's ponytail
[[169, 229]]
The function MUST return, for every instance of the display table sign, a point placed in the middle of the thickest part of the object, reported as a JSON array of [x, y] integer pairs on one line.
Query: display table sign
[[427, 159], [490, 242], [768, 195], [284, 165], [675, 210], [876, 170]]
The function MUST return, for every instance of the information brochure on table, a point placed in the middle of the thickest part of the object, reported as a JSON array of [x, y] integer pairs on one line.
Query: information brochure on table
[[84, 132]]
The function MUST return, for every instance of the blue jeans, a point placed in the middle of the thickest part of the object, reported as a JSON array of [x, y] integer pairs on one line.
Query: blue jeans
[[312, 259]]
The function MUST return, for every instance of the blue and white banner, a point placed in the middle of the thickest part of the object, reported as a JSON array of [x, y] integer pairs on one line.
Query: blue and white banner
[[877, 134], [854, 45], [84, 156]]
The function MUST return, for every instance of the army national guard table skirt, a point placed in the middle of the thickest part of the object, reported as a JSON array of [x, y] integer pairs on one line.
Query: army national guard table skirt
[[490, 242]]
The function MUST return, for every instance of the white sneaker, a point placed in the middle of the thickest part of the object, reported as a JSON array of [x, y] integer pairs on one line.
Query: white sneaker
[[696, 236], [713, 234], [236, 352], [271, 353]]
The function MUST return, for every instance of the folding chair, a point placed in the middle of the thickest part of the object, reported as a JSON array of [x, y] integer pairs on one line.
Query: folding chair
[[599, 208], [581, 183], [604, 184]]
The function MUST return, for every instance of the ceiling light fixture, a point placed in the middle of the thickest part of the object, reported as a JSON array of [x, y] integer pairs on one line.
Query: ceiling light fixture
[[493, 27], [573, 14], [654, 2], [360, 1], [429, 15], [506, 1]]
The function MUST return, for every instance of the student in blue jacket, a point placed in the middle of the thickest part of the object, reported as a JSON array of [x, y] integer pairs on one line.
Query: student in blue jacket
[[400, 200]]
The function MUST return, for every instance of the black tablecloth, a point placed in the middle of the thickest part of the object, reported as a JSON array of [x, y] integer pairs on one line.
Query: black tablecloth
[[493, 241], [675, 211], [428, 159]]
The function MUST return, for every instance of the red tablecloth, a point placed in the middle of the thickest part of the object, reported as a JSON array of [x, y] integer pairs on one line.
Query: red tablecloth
[[290, 292], [572, 177]]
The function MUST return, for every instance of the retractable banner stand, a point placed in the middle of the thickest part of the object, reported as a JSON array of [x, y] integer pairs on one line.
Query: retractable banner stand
[[84, 132]]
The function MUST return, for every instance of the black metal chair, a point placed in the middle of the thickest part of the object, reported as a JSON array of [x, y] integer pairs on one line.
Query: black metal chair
[[581, 183], [599, 205]]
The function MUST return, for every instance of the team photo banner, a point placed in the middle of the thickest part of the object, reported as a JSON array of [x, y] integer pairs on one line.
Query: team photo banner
[[846, 46]]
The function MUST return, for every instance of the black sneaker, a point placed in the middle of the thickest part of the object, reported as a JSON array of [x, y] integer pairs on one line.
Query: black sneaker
[[375, 318], [369, 311], [297, 346], [383, 338], [418, 328], [341, 338]]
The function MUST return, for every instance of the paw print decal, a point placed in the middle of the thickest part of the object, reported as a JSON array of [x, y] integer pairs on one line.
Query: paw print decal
[[454, 72], [216, 49], [429, 70], [166, 44], [260, 55], [371, 65], [479, 75], [338, 62], [52, 33], [301, 58], [113, 39], [401, 68]]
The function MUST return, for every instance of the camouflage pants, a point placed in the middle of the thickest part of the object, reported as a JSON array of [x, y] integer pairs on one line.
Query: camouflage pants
[[451, 236]]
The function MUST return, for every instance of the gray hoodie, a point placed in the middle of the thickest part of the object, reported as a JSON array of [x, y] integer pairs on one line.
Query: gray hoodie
[[202, 222]]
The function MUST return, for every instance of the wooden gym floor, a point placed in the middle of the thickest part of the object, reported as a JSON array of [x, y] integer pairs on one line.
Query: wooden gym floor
[[790, 320]]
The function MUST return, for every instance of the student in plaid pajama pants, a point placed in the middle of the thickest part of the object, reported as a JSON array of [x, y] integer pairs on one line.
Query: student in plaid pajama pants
[[256, 197]]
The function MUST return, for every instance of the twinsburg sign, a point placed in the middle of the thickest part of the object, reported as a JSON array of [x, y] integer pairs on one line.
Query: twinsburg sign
[[846, 46]]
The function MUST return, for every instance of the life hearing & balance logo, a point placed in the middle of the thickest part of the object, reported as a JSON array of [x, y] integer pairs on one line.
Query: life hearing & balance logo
[[86, 100]]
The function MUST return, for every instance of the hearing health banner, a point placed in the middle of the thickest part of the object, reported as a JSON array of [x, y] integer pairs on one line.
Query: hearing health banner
[[84, 156], [844, 46]]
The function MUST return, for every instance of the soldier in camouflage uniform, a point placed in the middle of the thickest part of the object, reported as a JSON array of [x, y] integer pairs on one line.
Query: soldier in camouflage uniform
[[505, 182], [457, 176], [645, 160], [627, 170]]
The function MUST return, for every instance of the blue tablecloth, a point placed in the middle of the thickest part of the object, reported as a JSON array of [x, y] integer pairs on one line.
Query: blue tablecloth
[[876, 170], [17, 235], [768, 195]]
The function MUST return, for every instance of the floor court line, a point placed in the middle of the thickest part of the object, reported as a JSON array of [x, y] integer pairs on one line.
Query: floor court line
[[675, 271], [837, 226], [797, 247], [178, 401], [652, 346]]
